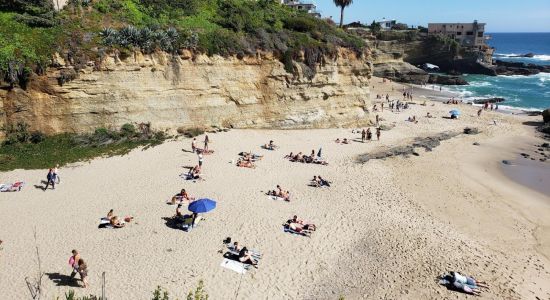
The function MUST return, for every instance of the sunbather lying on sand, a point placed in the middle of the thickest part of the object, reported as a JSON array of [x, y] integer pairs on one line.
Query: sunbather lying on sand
[[181, 196], [317, 181], [250, 156], [458, 282], [306, 159], [243, 163], [246, 258], [116, 223], [280, 193], [305, 225], [297, 228], [269, 146], [468, 280], [194, 173]]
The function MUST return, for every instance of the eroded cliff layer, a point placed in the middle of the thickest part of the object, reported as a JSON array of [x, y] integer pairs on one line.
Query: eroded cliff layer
[[185, 91]]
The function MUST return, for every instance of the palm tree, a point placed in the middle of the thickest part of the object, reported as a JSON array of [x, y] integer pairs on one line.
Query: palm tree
[[342, 4]]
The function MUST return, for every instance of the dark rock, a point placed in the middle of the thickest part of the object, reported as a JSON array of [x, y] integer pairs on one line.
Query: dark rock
[[427, 143], [468, 130], [546, 115], [544, 128], [489, 100], [476, 144], [447, 80], [519, 68], [401, 72], [507, 162], [524, 154], [543, 159], [545, 145]]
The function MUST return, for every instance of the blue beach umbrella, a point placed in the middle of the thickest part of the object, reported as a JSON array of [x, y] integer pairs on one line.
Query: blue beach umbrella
[[455, 112], [202, 206]]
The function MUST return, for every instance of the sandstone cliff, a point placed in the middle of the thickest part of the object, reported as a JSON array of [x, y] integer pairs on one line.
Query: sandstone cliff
[[192, 91]]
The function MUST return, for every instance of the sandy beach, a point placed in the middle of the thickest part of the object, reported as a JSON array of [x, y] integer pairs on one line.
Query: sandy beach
[[386, 228]]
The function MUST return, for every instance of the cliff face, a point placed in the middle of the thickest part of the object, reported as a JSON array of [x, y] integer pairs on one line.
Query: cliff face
[[184, 91]]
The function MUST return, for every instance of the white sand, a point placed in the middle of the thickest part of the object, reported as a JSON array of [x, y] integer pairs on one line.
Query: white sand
[[387, 228]]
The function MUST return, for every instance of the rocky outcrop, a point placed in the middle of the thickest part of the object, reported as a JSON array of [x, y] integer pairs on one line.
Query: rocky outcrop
[[489, 100], [546, 115], [193, 91], [401, 72], [519, 68], [447, 80]]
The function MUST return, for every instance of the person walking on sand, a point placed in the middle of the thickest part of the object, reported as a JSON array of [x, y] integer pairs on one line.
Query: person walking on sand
[[363, 135], [56, 174], [73, 262], [50, 180], [378, 133], [206, 141], [377, 120], [479, 112], [200, 160], [83, 271], [194, 145]]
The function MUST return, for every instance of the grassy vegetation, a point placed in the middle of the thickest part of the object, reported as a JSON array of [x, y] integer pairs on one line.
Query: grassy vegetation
[[31, 31], [34, 151]]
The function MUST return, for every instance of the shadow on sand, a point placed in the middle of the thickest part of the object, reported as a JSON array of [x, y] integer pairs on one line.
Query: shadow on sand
[[62, 280]]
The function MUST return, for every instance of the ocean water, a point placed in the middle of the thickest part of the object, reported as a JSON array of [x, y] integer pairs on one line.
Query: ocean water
[[528, 92]]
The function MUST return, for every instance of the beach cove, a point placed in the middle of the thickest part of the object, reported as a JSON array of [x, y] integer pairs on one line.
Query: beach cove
[[386, 228]]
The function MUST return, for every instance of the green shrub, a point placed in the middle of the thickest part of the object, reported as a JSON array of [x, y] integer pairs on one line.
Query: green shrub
[[128, 130]]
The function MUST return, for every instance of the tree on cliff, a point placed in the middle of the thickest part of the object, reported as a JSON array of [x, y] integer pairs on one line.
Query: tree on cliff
[[342, 4]]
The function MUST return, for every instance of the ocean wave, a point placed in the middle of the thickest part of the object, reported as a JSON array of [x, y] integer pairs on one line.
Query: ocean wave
[[480, 83], [542, 57], [506, 54]]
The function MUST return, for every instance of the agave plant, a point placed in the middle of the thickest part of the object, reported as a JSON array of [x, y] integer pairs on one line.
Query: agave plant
[[146, 39], [192, 41], [110, 36], [129, 36], [172, 43]]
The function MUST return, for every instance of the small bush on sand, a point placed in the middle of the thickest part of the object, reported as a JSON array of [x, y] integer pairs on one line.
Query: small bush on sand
[[190, 132]]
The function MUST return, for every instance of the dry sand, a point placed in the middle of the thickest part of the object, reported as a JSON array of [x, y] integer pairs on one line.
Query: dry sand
[[386, 228]]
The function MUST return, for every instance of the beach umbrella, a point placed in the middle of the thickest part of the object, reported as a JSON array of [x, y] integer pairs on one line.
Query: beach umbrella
[[202, 206], [455, 112]]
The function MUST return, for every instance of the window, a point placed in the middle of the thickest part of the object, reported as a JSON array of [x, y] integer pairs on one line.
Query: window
[[469, 33], [459, 33], [480, 34]]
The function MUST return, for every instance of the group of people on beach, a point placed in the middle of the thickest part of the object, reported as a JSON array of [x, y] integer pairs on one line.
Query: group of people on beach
[[280, 193], [366, 135], [307, 159]]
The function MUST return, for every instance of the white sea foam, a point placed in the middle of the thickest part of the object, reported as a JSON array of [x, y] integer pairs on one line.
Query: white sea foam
[[480, 83], [542, 57]]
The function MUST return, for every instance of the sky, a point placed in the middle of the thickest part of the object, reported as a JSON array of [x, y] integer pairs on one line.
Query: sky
[[500, 15]]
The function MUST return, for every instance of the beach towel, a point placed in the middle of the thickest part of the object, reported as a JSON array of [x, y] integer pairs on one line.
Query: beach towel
[[292, 231], [234, 265], [276, 198]]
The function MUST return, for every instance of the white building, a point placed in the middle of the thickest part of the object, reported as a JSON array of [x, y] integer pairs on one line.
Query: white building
[[386, 24]]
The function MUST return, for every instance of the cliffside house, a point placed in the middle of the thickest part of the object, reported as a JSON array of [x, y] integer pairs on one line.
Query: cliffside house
[[386, 24], [470, 35], [307, 6]]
